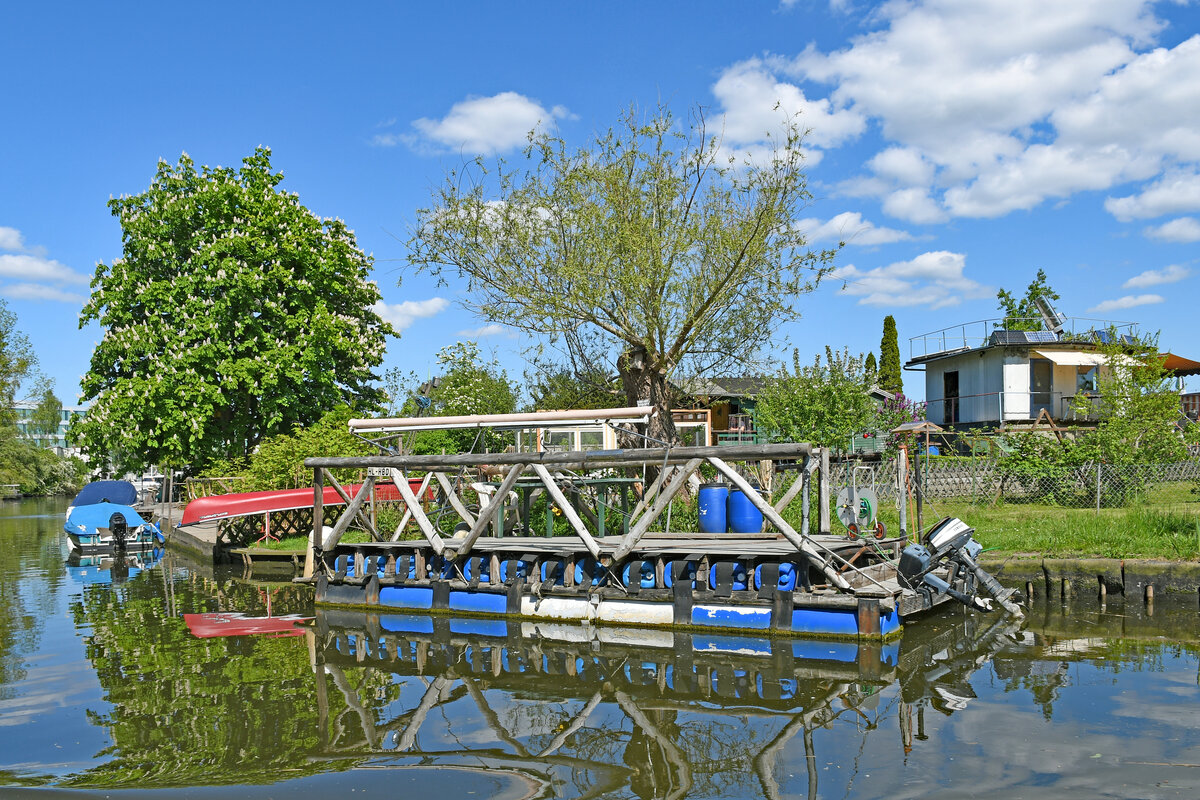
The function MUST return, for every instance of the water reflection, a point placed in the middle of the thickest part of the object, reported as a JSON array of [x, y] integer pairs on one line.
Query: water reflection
[[124, 675]]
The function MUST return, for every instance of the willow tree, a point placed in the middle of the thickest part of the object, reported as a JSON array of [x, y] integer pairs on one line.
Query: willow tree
[[652, 250], [234, 313]]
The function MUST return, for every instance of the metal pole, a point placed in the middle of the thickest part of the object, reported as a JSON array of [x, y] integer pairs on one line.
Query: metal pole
[[902, 488], [1097, 488], [824, 523]]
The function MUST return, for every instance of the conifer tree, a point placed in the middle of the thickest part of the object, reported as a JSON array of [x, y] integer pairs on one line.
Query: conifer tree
[[890, 378]]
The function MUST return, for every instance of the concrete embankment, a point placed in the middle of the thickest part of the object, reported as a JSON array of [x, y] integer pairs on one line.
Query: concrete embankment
[[1099, 577]]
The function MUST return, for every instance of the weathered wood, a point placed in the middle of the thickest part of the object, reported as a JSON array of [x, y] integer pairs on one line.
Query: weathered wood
[[567, 509], [418, 515], [800, 540], [580, 459], [408, 514], [348, 515], [664, 499], [342, 493], [452, 497], [315, 534], [463, 546]]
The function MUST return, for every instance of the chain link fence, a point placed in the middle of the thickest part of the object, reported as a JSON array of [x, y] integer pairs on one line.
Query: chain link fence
[[988, 481]]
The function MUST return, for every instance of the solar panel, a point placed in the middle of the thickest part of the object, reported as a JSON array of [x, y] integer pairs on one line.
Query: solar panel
[[1041, 337]]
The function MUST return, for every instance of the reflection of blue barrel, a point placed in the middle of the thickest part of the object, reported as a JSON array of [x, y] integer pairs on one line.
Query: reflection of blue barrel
[[712, 507], [743, 516]]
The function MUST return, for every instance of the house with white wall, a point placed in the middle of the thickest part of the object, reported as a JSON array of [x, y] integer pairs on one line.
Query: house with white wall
[[983, 374]]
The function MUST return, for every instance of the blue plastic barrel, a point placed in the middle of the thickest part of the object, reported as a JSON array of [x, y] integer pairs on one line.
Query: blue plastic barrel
[[743, 516], [712, 507]]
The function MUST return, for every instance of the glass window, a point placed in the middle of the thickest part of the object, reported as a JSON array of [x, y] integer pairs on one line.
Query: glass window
[[1086, 383], [591, 440], [558, 441]]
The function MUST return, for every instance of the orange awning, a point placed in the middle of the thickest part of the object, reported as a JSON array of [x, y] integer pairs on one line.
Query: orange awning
[[1180, 365]]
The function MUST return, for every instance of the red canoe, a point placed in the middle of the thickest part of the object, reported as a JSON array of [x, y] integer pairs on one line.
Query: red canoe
[[206, 626], [225, 506]]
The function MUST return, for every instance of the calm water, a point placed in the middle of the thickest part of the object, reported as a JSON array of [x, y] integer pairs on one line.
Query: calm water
[[145, 680]]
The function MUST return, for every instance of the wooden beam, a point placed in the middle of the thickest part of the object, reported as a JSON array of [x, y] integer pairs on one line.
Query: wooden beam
[[568, 510], [824, 521], [455, 502], [418, 514], [348, 515], [800, 540], [660, 505], [579, 459], [408, 511], [463, 546]]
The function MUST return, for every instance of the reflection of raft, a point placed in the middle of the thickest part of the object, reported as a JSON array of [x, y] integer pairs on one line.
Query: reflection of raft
[[784, 580]]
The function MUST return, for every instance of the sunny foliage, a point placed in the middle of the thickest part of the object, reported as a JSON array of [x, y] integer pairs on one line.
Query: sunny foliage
[[652, 250], [1022, 314], [233, 314]]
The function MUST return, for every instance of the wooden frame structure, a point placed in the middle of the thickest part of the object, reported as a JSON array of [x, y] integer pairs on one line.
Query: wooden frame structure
[[675, 466]]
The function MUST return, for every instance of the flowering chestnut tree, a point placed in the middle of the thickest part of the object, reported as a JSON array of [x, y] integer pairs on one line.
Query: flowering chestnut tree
[[234, 313]]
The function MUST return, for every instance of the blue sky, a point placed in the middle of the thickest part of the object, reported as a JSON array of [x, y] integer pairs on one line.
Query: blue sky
[[957, 146]]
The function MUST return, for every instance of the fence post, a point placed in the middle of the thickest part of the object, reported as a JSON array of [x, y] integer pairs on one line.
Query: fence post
[[902, 488], [824, 523], [1097, 488]]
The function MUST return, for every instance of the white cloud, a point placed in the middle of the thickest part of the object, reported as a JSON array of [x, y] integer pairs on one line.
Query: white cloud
[[1157, 277], [479, 125], [488, 330], [851, 228], [993, 106], [11, 240], [934, 279], [37, 291], [1182, 230], [1128, 301], [403, 314], [755, 105], [26, 266], [1177, 192]]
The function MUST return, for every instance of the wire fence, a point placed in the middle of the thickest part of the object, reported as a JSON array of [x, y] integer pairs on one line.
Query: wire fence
[[989, 481]]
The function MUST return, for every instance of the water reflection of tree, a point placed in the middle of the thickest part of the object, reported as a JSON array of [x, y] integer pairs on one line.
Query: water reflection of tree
[[31, 567], [188, 711]]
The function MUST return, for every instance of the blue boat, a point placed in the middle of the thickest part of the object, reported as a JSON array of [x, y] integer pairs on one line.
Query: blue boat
[[102, 519]]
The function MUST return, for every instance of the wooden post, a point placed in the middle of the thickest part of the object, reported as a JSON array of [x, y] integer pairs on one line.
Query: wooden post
[[314, 535], [902, 488], [660, 505], [824, 523], [352, 511]]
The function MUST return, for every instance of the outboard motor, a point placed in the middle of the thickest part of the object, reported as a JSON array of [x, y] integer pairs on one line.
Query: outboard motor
[[950, 544]]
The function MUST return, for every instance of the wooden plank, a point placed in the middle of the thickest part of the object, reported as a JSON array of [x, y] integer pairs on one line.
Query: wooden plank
[[337, 487], [582, 459], [664, 499], [407, 510], [824, 522], [567, 509], [418, 514]]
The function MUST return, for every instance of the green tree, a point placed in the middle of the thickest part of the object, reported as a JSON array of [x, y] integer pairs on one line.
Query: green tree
[[17, 363], [1022, 314], [871, 366], [1137, 408], [467, 385], [46, 416], [890, 377], [233, 314], [821, 403], [651, 248], [566, 389]]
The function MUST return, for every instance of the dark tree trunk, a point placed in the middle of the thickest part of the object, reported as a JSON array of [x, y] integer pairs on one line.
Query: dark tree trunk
[[644, 383]]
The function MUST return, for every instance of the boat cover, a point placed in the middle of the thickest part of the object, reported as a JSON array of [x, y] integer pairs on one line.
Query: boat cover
[[120, 492], [84, 519]]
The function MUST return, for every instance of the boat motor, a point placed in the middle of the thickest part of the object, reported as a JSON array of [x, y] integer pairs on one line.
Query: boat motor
[[951, 545]]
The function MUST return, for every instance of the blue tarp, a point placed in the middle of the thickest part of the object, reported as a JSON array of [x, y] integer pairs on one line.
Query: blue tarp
[[119, 492], [98, 515]]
